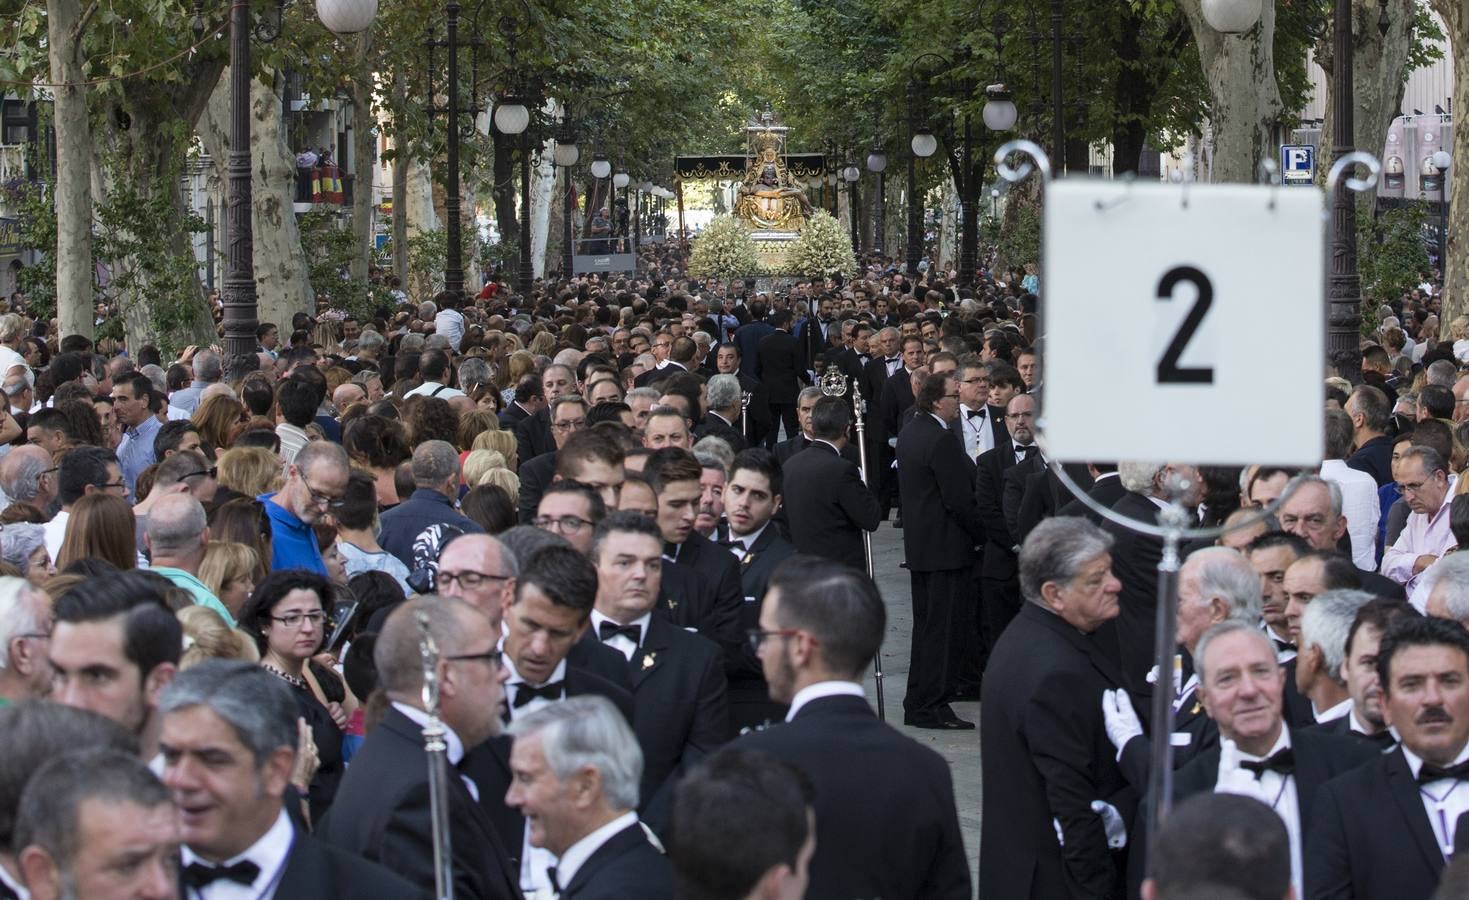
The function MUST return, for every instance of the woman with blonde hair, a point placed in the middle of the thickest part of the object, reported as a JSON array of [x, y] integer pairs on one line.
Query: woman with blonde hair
[[502, 442], [206, 636], [216, 418], [228, 570], [249, 471], [101, 527]]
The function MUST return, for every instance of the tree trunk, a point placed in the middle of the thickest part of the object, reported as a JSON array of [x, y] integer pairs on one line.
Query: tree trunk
[[364, 154], [282, 284], [71, 189], [1456, 269], [1245, 103], [1378, 76]]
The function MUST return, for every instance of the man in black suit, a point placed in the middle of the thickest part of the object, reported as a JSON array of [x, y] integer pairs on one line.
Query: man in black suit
[[781, 373], [758, 422], [1240, 685], [886, 824], [829, 507], [548, 615], [680, 707], [751, 497], [1050, 775], [999, 592], [723, 419], [1136, 557], [943, 529], [1386, 828], [533, 434], [743, 826], [1359, 669], [382, 809], [674, 475], [229, 749], [577, 766]]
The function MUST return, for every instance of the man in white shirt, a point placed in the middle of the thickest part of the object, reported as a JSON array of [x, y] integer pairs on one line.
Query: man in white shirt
[[229, 749], [1358, 490], [1323, 646], [1428, 488], [576, 767]]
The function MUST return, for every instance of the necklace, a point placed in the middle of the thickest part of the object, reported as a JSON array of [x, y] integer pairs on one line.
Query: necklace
[[292, 680]]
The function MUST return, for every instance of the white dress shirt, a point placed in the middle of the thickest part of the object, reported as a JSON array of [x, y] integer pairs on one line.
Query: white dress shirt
[[1279, 792], [621, 643], [1360, 506], [1422, 534], [823, 689], [269, 853], [979, 435], [1444, 800], [577, 854]]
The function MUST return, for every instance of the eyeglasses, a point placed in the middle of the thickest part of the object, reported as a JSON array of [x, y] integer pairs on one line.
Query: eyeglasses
[[320, 499], [467, 580], [758, 637], [560, 523], [490, 656], [569, 424], [294, 620]]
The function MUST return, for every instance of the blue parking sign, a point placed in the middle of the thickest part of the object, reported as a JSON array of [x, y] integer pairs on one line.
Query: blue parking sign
[[1297, 164]]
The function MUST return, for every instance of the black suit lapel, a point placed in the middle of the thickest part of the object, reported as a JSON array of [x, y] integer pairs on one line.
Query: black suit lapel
[[1404, 790]]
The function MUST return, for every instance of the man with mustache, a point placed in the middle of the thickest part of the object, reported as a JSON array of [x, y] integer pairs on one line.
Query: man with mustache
[[1386, 829]]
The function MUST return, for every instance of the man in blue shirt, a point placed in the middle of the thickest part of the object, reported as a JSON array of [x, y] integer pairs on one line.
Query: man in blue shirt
[[131, 398], [315, 484]]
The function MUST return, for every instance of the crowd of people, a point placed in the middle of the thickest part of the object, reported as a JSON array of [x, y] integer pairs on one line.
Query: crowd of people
[[634, 519]]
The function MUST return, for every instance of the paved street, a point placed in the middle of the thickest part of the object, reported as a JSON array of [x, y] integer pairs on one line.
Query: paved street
[[960, 748]]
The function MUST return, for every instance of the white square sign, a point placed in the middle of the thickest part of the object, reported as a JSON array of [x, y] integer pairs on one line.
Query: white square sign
[[1183, 323]]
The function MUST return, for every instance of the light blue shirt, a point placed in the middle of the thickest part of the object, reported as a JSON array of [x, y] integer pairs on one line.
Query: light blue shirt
[[135, 453]]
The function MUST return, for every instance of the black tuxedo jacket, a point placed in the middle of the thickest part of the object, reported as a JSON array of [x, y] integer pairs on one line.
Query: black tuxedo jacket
[[316, 869], [534, 474], [626, 866], [488, 765], [1000, 561], [886, 823], [828, 506], [780, 371], [725, 431], [680, 709], [1371, 837], [533, 436], [1135, 563], [382, 812], [1106, 491], [1046, 756], [942, 523]]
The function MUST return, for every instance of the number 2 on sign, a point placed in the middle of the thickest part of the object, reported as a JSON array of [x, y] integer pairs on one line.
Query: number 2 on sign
[[1169, 372]]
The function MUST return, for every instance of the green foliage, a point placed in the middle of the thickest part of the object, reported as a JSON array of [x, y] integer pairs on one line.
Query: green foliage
[[139, 233], [1391, 254], [824, 248], [37, 217], [724, 249]]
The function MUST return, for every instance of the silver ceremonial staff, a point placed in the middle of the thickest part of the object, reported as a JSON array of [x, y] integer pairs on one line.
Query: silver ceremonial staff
[[834, 383], [437, 751]]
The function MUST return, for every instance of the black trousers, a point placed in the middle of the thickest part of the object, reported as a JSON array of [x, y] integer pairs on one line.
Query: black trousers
[[937, 597]]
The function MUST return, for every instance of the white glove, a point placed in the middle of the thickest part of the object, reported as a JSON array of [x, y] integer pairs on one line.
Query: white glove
[[1111, 821], [1120, 719], [1233, 779]]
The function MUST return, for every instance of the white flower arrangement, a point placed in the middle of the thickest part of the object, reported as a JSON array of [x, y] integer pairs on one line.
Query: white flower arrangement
[[724, 250], [824, 248]]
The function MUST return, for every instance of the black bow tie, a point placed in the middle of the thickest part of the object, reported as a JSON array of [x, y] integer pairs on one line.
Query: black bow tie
[[610, 629], [525, 693], [200, 875], [1283, 762], [975, 413], [1430, 772]]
